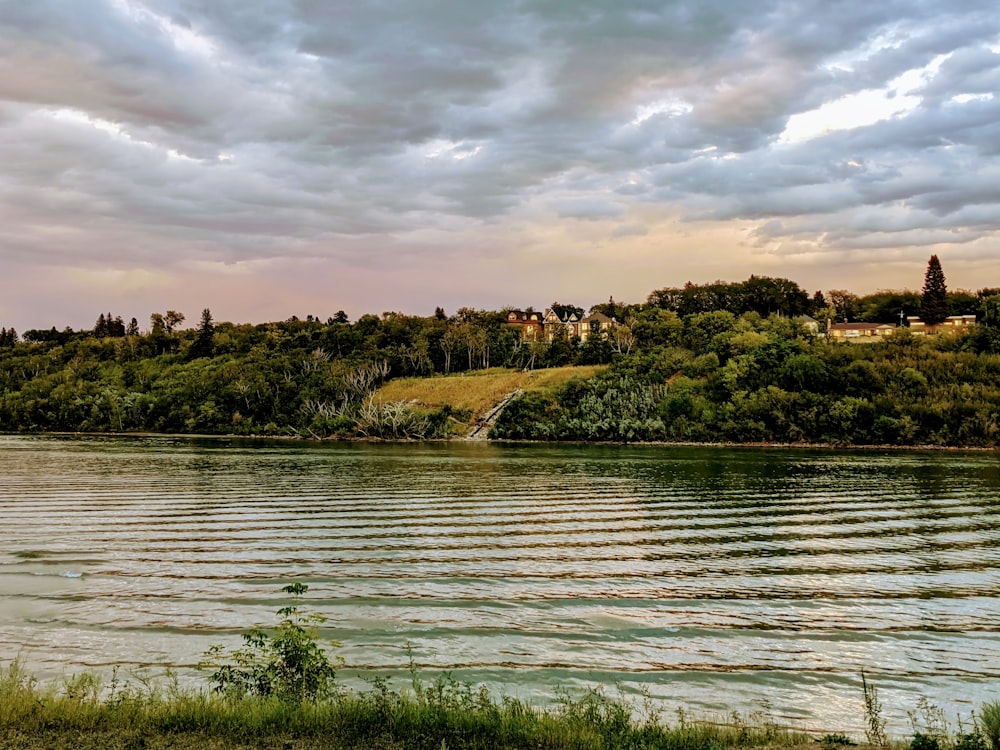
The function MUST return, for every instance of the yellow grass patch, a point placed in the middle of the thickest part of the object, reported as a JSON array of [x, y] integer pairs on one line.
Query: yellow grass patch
[[477, 391]]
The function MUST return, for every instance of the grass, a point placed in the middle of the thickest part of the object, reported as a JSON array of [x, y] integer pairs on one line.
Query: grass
[[81, 714], [477, 392]]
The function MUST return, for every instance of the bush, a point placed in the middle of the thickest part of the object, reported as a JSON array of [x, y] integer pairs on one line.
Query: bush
[[924, 742], [289, 664]]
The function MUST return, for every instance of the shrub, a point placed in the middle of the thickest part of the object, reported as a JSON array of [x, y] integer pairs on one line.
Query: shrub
[[290, 663], [924, 742]]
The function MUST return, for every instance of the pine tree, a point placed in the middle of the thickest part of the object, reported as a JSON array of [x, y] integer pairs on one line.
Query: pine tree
[[204, 344], [934, 301]]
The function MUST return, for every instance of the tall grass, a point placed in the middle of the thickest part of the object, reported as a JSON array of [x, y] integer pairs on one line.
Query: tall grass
[[989, 720], [442, 714]]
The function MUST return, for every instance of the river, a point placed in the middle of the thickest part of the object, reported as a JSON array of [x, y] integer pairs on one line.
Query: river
[[710, 579]]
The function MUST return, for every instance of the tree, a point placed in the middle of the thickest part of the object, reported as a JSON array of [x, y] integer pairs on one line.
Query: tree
[[844, 303], [934, 297], [888, 306], [172, 319], [204, 343], [564, 311], [817, 303]]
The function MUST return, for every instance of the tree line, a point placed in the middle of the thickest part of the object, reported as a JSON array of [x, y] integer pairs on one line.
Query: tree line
[[718, 361]]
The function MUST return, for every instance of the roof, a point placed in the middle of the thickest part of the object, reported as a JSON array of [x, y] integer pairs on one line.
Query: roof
[[859, 326], [520, 316]]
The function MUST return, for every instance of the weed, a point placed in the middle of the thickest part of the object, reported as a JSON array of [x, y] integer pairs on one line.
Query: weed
[[874, 723], [929, 721]]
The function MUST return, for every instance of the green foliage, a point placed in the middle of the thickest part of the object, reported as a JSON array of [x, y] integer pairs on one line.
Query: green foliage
[[973, 740], [934, 296], [443, 713], [763, 295], [836, 740], [700, 363], [289, 664], [924, 742], [989, 720]]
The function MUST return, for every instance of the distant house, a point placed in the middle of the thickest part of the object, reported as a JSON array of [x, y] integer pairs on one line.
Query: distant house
[[859, 332], [951, 324], [528, 323], [566, 325], [596, 325]]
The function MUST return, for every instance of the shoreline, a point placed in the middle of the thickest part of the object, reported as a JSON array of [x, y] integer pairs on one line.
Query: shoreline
[[764, 445]]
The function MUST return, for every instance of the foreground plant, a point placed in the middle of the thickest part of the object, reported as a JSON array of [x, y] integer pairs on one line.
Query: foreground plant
[[989, 718], [874, 722], [290, 664]]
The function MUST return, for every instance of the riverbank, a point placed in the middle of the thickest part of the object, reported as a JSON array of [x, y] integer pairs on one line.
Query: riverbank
[[82, 714], [766, 445]]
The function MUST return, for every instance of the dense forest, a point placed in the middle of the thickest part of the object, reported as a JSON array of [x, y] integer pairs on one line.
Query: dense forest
[[727, 361]]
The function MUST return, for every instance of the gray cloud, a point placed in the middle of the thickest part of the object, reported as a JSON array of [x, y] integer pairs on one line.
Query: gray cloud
[[135, 132]]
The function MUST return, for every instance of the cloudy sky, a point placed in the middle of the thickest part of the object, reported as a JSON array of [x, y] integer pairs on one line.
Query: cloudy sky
[[274, 157]]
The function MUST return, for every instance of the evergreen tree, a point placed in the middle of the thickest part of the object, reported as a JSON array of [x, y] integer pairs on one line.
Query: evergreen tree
[[934, 299], [133, 328], [204, 343]]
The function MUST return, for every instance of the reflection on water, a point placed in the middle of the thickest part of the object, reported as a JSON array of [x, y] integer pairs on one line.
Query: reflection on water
[[714, 579]]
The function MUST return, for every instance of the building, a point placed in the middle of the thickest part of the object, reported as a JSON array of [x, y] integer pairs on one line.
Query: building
[[528, 323], [596, 324], [859, 332], [951, 324], [567, 325]]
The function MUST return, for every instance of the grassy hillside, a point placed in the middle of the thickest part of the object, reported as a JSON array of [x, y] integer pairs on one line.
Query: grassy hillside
[[478, 391]]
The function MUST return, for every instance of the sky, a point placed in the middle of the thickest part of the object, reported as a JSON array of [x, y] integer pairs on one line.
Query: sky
[[270, 158]]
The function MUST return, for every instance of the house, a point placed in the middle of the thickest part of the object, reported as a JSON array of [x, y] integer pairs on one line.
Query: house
[[528, 323], [951, 324], [596, 324], [859, 332], [567, 325]]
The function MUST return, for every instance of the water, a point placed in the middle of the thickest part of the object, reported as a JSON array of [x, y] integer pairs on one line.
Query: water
[[711, 579]]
